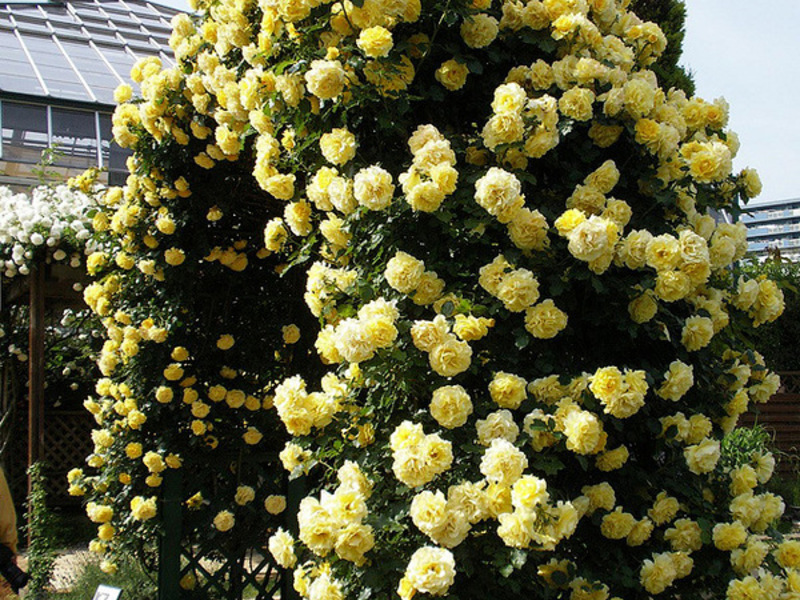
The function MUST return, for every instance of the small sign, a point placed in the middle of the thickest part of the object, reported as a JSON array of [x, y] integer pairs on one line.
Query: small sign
[[106, 592]]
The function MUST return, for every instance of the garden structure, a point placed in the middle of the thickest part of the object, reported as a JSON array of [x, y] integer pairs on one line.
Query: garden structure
[[453, 265]]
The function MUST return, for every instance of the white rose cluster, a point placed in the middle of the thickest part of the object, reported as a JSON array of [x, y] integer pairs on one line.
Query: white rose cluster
[[56, 219]]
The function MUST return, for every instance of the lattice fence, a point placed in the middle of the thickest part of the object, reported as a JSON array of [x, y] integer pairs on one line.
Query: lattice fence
[[781, 417], [68, 442]]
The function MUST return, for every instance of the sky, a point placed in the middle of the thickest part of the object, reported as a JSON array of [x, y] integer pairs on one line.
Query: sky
[[748, 52]]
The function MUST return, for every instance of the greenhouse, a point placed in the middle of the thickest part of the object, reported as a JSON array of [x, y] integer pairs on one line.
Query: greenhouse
[[62, 61]]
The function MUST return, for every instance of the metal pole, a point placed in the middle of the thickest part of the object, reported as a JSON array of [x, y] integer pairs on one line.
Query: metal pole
[[169, 560]]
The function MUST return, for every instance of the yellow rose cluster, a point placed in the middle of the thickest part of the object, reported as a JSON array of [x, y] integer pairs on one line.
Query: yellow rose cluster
[[590, 375], [418, 457], [447, 355], [335, 521], [407, 275], [432, 175]]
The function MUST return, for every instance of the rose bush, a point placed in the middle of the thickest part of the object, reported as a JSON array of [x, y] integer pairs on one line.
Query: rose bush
[[505, 230], [48, 228]]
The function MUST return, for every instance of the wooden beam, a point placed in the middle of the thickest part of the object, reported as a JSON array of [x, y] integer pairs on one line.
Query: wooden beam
[[36, 364]]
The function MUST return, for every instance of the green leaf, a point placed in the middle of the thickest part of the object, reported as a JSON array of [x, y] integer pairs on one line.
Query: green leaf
[[519, 558], [447, 308], [522, 339], [507, 570], [549, 465]]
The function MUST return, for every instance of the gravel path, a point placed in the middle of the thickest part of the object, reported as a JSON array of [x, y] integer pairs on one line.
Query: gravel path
[[69, 564]]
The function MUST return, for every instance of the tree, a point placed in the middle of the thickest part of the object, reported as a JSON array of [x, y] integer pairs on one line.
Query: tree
[[527, 377]]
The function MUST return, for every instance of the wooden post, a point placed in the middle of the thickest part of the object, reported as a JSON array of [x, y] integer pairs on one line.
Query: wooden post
[[36, 368]]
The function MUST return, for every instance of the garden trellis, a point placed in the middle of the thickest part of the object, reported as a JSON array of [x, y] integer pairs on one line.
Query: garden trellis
[[520, 338]]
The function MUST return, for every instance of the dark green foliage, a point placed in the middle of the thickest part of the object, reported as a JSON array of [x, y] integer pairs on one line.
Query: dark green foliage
[[777, 341], [41, 550]]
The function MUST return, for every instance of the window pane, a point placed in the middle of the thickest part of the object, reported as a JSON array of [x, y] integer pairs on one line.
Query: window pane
[[113, 156], [24, 132], [74, 138]]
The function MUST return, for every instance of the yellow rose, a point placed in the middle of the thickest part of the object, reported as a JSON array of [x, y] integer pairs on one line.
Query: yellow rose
[[728, 536], [452, 74], [478, 31], [503, 128], [528, 492], [677, 381], [290, 333], [576, 103], [275, 505], [617, 524], [515, 528], [702, 457], [497, 425], [375, 42], [353, 541], [643, 308], [503, 463], [545, 320], [518, 290], [431, 570], [664, 509], [142, 508], [499, 193], [451, 357], [697, 332], [672, 286], [684, 536], [404, 272], [429, 290], [372, 187], [451, 406], [657, 574], [326, 79], [508, 390], [470, 328], [611, 460], [338, 146], [281, 547], [492, 274], [583, 430]]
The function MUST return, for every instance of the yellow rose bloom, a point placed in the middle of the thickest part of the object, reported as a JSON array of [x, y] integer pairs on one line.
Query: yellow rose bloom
[[451, 406], [224, 520], [728, 536], [508, 390], [545, 320], [338, 146], [452, 74], [375, 42]]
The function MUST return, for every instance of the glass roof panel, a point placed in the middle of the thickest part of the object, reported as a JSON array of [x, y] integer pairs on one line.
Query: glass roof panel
[[16, 74], [112, 25], [59, 77], [93, 70]]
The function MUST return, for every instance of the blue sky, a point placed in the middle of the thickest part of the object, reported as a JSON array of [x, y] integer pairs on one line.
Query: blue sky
[[749, 53]]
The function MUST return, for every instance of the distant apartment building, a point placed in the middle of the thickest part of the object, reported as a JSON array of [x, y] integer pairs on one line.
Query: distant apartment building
[[774, 225], [60, 62]]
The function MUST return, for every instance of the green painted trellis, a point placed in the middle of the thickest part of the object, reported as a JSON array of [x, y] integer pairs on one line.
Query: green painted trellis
[[183, 552]]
